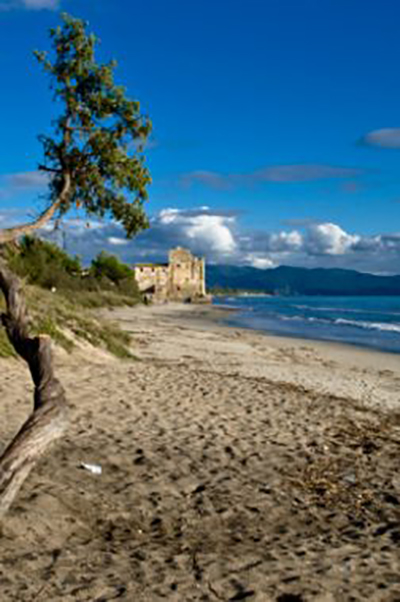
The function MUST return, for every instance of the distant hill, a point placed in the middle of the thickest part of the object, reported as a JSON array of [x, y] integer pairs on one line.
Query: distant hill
[[287, 280]]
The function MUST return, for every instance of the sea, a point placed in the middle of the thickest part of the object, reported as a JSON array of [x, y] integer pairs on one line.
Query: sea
[[372, 322]]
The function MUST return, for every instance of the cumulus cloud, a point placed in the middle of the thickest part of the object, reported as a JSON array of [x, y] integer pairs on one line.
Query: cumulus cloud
[[202, 229], [284, 242], [329, 239], [205, 232], [274, 173], [383, 138], [219, 237]]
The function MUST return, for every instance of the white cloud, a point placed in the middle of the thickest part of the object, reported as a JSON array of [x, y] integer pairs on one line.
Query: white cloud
[[286, 241], [202, 229], [219, 237], [257, 260], [114, 240], [213, 231], [329, 239], [168, 216]]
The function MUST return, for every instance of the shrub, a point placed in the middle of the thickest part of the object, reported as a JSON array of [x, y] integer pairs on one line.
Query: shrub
[[106, 267], [109, 266], [44, 263]]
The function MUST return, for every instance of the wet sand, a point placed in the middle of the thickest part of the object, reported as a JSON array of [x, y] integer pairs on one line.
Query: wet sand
[[235, 466]]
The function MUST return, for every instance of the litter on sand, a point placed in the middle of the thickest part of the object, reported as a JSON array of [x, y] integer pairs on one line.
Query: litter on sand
[[93, 468]]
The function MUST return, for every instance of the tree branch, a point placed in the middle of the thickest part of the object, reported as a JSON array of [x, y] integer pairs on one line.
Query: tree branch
[[49, 418], [50, 169], [10, 234]]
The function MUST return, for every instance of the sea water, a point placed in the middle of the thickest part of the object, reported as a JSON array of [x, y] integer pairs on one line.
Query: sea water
[[366, 321]]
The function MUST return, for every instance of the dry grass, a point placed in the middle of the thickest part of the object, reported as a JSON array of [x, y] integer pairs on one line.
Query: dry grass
[[68, 317]]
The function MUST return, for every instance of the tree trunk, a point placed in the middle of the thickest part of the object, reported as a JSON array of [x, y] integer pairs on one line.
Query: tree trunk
[[10, 234], [49, 418]]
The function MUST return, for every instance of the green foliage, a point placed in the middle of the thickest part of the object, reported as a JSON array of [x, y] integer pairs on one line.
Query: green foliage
[[44, 263], [66, 317], [109, 282], [99, 135], [109, 266]]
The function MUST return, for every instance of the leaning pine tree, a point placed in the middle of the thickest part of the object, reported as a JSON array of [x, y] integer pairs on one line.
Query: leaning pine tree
[[94, 161]]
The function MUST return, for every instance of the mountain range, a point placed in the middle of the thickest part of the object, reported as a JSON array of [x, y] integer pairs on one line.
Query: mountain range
[[285, 280]]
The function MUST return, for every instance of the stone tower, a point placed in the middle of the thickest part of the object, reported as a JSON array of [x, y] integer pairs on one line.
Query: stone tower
[[182, 279], [186, 277]]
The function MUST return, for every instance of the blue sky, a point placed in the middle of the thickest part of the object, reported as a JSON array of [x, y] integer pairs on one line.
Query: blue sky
[[276, 125]]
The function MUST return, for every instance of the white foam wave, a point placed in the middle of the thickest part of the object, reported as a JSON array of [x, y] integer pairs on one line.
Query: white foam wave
[[382, 326], [305, 319], [349, 310]]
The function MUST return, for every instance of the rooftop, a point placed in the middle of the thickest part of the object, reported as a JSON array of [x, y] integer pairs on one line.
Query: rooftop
[[151, 265]]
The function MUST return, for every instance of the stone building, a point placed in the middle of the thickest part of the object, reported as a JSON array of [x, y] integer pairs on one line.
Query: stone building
[[181, 279]]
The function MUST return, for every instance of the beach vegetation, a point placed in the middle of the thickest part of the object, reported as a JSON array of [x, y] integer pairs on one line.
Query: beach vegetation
[[107, 282]]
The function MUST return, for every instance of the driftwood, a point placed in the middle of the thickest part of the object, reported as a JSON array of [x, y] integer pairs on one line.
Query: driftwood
[[49, 417]]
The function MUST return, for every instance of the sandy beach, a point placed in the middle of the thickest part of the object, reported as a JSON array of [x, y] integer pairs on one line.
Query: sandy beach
[[235, 466]]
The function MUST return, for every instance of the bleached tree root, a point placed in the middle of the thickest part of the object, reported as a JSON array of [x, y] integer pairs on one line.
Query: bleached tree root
[[48, 421]]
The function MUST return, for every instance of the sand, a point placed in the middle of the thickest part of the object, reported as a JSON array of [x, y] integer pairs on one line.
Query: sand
[[235, 466]]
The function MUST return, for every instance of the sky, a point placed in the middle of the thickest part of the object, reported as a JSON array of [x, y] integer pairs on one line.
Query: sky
[[276, 133]]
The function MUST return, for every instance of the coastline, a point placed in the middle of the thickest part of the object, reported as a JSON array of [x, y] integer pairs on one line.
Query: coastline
[[364, 322], [362, 374]]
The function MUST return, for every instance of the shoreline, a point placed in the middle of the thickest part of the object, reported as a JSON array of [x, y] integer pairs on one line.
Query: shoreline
[[226, 310], [183, 331], [305, 337], [217, 315]]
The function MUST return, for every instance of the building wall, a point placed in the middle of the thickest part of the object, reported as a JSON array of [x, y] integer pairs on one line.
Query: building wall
[[152, 277], [181, 280], [185, 275]]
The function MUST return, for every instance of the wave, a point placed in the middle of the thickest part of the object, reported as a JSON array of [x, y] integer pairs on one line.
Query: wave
[[304, 319], [349, 310], [382, 326]]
